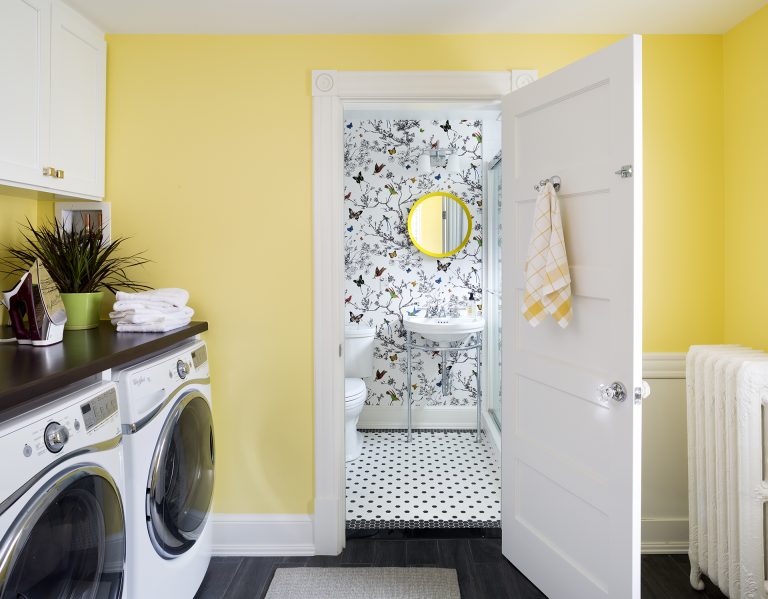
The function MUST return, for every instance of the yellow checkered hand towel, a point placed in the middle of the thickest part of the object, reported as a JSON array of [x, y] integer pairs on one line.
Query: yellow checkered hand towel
[[547, 278]]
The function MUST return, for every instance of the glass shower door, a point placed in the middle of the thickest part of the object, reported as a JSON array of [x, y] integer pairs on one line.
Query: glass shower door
[[492, 306]]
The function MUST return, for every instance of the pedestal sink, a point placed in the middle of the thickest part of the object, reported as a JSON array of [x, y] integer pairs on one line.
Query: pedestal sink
[[443, 328]]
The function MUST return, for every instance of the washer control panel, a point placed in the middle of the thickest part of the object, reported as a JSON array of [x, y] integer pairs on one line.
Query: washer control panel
[[99, 408]]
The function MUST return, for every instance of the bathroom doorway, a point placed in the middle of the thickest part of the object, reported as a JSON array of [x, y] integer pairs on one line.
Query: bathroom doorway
[[571, 441], [401, 259]]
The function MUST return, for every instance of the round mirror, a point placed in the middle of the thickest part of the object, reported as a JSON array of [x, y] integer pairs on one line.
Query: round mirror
[[439, 224]]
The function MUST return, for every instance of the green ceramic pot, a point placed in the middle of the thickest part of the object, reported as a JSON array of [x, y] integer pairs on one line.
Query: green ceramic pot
[[82, 310]]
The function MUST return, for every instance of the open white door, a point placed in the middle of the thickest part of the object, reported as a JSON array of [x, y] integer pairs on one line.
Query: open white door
[[570, 458]]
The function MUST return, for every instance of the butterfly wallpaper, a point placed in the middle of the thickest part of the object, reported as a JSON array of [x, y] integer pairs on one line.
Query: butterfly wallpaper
[[384, 272]]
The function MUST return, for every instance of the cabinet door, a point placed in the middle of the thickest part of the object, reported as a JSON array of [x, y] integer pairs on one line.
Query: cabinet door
[[78, 86], [25, 27]]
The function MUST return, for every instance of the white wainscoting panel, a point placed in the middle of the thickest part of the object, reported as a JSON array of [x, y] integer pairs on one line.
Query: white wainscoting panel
[[447, 417], [262, 534], [665, 454]]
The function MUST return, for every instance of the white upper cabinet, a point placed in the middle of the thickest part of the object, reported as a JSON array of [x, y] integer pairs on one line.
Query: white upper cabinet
[[25, 54], [78, 80], [56, 109]]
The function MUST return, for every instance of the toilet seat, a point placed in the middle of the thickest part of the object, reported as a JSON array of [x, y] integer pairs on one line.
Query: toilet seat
[[354, 391]]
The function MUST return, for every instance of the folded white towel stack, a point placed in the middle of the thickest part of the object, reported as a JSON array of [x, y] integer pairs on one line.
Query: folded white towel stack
[[155, 311]]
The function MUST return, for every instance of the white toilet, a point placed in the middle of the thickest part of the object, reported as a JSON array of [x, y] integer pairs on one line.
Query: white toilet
[[358, 364]]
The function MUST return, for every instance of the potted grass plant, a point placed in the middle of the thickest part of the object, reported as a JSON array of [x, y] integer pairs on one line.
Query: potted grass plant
[[82, 264]]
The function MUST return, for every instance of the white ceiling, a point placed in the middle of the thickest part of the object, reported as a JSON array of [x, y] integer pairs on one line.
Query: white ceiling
[[417, 16]]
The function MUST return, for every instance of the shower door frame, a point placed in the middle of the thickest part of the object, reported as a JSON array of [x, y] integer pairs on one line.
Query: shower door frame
[[331, 90]]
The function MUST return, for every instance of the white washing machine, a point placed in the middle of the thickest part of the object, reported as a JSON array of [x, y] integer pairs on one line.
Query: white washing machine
[[62, 525], [168, 444]]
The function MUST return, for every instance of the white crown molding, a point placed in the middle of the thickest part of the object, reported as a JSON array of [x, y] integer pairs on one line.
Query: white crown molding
[[664, 365], [262, 534]]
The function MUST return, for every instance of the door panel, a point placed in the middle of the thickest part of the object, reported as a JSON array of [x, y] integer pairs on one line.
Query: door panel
[[571, 459], [78, 82], [24, 66]]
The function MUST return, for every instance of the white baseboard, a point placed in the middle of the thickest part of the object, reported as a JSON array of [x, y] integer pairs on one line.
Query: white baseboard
[[449, 417], [664, 535], [262, 534], [492, 433]]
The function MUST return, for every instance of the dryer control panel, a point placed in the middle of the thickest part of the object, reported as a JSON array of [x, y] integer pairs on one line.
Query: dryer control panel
[[99, 409]]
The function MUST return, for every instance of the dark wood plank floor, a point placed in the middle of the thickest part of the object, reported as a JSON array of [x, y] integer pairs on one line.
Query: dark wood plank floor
[[482, 571]]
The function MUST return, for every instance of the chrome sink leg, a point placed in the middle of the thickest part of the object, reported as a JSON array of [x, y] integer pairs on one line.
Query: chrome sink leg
[[409, 388], [479, 388], [445, 381]]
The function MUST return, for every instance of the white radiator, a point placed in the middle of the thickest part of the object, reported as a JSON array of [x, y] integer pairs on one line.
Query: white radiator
[[727, 387]]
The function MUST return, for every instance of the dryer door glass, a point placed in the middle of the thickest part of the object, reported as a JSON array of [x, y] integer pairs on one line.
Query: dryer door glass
[[181, 477], [68, 542]]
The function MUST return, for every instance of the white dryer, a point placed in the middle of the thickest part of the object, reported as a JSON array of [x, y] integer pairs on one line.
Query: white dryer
[[168, 445], [62, 526]]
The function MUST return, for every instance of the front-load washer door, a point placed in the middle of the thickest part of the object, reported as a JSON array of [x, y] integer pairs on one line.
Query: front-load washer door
[[180, 487], [69, 540]]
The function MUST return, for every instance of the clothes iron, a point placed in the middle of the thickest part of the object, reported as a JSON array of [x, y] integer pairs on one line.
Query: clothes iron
[[35, 307]]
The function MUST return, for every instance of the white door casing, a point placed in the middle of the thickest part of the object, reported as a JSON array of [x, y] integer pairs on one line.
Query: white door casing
[[570, 459]]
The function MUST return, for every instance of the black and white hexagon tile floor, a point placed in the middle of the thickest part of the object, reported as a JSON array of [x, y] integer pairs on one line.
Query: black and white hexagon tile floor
[[442, 479]]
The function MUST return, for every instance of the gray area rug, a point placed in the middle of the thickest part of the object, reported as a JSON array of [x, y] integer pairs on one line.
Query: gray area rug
[[364, 583]]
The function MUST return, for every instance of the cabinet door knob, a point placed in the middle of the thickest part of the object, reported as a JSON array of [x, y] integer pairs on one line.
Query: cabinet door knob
[[59, 174], [49, 171]]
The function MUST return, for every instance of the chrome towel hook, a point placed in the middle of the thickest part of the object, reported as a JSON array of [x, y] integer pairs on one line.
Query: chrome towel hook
[[554, 179]]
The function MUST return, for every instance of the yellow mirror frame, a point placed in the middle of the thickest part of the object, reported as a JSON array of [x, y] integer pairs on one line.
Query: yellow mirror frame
[[466, 211]]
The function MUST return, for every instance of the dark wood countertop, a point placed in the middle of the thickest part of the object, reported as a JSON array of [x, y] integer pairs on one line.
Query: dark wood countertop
[[28, 374]]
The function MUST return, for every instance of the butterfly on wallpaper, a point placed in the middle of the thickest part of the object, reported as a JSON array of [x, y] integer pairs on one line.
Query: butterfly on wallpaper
[[480, 307], [356, 318], [446, 127], [380, 374], [435, 144], [439, 384], [355, 215], [435, 354], [349, 125], [359, 178], [407, 166], [408, 269], [421, 130], [478, 136], [348, 196], [413, 386], [413, 179], [443, 267], [391, 189], [380, 271], [359, 282], [479, 203], [392, 293], [392, 395], [413, 283], [393, 358], [349, 228], [437, 177], [347, 299], [478, 239], [414, 312], [393, 254], [377, 168], [439, 280], [392, 152]]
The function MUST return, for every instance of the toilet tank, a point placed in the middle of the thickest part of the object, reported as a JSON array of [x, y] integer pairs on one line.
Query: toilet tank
[[358, 351]]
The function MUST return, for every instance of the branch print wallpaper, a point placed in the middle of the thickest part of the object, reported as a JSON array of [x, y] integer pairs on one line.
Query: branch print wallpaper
[[385, 272]]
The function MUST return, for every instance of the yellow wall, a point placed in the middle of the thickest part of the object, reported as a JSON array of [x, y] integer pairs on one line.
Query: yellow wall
[[745, 59], [209, 168], [16, 207]]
